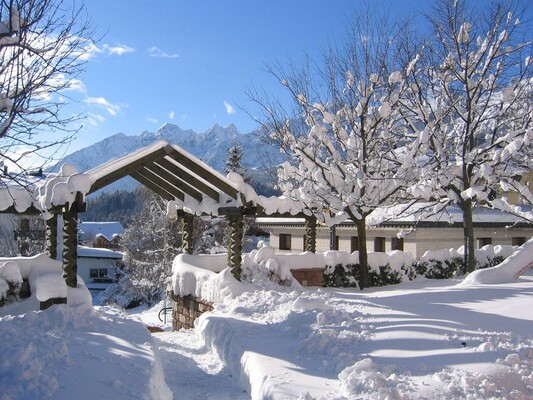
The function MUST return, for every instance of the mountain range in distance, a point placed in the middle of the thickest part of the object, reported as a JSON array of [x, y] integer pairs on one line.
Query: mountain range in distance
[[211, 147]]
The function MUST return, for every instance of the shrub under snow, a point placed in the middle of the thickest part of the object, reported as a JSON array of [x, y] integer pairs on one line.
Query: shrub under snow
[[343, 270]]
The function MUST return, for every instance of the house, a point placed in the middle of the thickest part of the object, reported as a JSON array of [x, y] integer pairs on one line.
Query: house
[[99, 267], [105, 235], [436, 232]]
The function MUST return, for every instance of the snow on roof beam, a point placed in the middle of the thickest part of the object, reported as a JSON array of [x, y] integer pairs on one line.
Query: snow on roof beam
[[125, 170]]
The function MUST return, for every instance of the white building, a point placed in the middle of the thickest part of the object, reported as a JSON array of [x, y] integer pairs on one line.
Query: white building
[[98, 267], [437, 232]]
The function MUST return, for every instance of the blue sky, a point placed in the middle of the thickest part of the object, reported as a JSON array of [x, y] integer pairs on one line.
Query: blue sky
[[189, 62]]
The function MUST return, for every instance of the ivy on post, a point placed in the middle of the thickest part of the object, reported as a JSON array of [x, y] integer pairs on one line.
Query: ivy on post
[[235, 233], [186, 231], [51, 237], [310, 234], [70, 240]]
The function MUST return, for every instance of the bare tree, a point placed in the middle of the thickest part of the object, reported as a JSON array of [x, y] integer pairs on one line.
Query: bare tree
[[342, 134], [470, 104], [43, 45]]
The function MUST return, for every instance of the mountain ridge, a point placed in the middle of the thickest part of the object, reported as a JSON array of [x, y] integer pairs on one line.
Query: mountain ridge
[[210, 146]]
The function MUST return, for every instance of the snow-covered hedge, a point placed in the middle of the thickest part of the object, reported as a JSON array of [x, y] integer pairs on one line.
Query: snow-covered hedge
[[443, 264], [343, 270]]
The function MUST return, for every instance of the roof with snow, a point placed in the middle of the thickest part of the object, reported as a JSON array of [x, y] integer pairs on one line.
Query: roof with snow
[[185, 181], [92, 230], [93, 252], [421, 216]]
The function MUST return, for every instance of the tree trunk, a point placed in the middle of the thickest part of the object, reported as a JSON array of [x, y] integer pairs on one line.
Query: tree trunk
[[363, 256], [468, 227]]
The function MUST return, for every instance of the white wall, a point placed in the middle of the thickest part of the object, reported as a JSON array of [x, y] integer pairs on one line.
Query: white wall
[[416, 242]]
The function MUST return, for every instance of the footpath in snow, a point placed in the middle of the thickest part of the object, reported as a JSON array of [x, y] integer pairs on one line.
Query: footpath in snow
[[426, 339]]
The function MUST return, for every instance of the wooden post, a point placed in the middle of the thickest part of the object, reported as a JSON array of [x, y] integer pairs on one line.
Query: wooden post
[[186, 232], [235, 232], [70, 241], [310, 234], [51, 237], [70, 247]]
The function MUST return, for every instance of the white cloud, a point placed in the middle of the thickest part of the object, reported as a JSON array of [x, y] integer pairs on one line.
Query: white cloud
[[152, 120], [157, 52], [94, 119], [118, 50], [229, 108], [171, 115], [89, 51], [111, 108], [77, 85]]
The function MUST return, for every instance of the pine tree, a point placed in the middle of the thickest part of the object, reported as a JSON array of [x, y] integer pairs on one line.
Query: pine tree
[[234, 161]]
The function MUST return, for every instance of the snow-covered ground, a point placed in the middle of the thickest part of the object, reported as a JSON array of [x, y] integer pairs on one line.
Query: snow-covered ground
[[425, 339]]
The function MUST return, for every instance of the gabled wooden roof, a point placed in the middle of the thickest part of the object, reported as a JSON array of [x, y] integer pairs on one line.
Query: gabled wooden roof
[[170, 172]]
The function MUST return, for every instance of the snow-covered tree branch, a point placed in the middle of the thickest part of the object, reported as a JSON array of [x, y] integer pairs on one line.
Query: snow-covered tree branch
[[348, 153], [43, 44], [471, 100]]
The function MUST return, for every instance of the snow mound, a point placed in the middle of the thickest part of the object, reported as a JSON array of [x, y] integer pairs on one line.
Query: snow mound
[[49, 351], [508, 271]]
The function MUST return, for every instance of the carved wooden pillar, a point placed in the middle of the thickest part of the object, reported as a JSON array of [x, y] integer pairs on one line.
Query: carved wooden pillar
[[186, 232], [51, 237], [235, 233], [70, 240], [70, 247], [310, 234]]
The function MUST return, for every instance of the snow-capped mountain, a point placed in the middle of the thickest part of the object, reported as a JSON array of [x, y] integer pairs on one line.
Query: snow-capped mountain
[[210, 146]]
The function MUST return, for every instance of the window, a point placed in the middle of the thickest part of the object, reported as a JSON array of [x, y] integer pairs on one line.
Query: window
[[98, 273], [518, 241], [379, 244], [335, 244], [484, 241], [284, 241], [354, 244], [397, 243]]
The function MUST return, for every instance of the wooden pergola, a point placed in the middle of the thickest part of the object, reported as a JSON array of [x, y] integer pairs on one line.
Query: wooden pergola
[[176, 176]]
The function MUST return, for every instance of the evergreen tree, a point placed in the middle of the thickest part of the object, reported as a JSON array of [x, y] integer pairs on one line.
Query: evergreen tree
[[234, 161]]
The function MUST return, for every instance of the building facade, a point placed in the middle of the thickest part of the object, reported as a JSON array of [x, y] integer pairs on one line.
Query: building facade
[[435, 233]]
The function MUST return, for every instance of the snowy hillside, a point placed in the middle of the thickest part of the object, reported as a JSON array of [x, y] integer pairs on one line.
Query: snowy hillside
[[210, 146]]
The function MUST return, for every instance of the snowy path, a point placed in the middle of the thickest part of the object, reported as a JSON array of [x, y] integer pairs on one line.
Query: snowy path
[[194, 372]]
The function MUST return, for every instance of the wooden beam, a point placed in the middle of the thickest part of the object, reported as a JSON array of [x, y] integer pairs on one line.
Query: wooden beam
[[155, 188], [173, 180], [167, 185], [176, 170], [161, 184], [126, 170], [201, 171]]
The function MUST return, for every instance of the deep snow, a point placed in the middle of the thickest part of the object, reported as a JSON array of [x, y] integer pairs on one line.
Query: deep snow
[[425, 339]]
